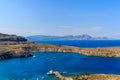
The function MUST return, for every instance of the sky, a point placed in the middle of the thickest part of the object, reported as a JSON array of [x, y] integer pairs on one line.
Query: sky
[[60, 17]]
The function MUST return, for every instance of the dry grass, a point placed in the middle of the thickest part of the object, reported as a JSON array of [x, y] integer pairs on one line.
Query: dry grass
[[97, 77]]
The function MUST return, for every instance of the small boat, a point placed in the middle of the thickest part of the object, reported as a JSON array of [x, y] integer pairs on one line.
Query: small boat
[[63, 72], [51, 72]]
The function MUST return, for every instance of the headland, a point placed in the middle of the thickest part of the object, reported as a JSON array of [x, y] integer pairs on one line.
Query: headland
[[12, 46]]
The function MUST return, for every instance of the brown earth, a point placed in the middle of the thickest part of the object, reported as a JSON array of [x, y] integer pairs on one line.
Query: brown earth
[[98, 77], [25, 49]]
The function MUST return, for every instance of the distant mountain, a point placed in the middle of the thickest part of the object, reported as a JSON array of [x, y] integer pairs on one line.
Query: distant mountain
[[68, 37]]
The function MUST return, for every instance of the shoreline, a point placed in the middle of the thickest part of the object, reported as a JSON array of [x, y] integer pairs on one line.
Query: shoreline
[[97, 77], [18, 50], [85, 76]]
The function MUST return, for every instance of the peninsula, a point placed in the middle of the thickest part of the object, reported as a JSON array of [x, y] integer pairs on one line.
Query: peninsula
[[87, 76], [12, 46]]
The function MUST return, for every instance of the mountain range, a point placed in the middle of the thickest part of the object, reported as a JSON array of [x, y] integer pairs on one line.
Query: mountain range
[[68, 37]]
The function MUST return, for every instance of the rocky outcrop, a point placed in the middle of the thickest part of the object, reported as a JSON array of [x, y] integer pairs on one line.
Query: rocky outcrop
[[59, 75], [13, 51]]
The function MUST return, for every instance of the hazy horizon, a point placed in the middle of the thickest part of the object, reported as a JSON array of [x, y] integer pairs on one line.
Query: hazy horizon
[[60, 17]]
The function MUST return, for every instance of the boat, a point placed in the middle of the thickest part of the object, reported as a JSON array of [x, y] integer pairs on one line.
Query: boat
[[51, 72]]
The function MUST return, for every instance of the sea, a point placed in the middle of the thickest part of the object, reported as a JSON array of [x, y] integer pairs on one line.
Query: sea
[[36, 67]]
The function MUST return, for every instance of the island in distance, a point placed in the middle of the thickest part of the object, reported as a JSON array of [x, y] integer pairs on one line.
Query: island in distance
[[68, 37]]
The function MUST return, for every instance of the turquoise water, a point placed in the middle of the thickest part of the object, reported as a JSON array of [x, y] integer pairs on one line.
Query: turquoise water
[[34, 68]]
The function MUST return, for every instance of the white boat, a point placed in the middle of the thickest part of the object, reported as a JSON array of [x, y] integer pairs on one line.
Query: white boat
[[50, 72]]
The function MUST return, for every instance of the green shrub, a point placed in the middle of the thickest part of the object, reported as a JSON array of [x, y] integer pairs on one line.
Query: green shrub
[[81, 76]]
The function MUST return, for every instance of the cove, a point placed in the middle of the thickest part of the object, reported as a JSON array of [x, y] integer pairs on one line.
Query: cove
[[36, 67]]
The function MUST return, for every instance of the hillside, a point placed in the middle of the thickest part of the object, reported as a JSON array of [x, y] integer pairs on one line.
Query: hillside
[[13, 38]]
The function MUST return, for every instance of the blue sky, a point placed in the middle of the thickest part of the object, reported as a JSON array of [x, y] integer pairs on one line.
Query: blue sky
[[60, 17]]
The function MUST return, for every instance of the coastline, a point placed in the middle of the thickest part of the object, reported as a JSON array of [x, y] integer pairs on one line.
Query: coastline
[[97, 77], [25, 49], [85, 76]]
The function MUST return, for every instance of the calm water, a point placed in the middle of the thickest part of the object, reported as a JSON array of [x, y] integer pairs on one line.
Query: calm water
[[85, 43], [34, 68]]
